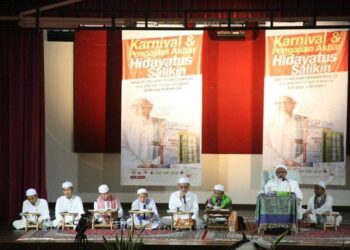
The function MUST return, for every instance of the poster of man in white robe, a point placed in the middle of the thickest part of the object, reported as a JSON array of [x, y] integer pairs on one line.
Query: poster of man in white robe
[[305, 103]]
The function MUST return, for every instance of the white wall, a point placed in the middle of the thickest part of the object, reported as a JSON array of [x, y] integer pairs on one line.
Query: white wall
[[239, 173]]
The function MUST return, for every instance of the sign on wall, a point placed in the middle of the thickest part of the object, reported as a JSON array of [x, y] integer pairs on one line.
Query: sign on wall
[[161, 107], [305, 103]]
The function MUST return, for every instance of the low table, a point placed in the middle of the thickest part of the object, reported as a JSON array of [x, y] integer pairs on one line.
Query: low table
[[179, 220], [108, 214], [134, 213]]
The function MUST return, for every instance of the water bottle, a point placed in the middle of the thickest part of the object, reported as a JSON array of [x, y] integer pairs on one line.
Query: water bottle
[[232, 224], [45, 225], [122, 223]]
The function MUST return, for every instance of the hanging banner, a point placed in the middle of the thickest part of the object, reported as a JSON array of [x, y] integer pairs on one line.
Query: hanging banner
[[305, 104], [161, 107]]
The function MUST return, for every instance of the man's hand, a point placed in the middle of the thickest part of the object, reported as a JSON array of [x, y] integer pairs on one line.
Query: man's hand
[[291, 163], [147, 165]]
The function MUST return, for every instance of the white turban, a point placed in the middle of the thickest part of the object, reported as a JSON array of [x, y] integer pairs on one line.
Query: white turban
[[31, 192], [322, 184], [281, 166], [67, 184], [219, 187], [103, 189], [142, 191], [183, 180]]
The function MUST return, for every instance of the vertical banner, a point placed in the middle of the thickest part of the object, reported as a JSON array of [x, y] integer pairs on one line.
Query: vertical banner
[[305, 103], [161, 107]]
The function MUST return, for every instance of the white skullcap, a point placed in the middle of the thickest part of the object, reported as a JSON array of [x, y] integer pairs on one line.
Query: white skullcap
[[219, 187], [322, 184], [102, 189], [142, 191], [281, 166], [183, 180], [31, 192], [67, 184]]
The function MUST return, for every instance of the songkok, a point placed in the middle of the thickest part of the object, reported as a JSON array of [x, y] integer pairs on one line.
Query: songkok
[[183, 180], [142, 191], [31, 192], [281, 166], [103, 189], [67, 184], [219, 187], [322, 184]]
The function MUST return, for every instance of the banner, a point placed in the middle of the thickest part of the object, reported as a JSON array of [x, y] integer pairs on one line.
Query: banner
[[161, 107], [305, 104]]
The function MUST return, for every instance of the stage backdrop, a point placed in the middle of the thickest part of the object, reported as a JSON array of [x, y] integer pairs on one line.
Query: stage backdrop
[[161, 107], [305, 103]]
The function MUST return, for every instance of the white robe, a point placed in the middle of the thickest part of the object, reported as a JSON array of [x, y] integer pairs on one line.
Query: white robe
[[326, 207], [149, 205], [175, 203], [277, 185], [39, 207], [72, 205], [280, 140], [140, 141]]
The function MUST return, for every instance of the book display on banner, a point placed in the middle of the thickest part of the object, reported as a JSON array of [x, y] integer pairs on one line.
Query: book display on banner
[[305, 103], [161, 107]]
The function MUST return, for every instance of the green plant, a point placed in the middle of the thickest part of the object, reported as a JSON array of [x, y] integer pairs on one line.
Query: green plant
[[125, 244], [278, 239]]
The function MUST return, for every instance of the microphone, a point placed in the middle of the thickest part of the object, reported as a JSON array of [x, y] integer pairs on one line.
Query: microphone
[[184, 197], [284, 179], [144, 215]]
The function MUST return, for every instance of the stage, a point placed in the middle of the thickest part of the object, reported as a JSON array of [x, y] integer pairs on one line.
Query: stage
[[306, 238]]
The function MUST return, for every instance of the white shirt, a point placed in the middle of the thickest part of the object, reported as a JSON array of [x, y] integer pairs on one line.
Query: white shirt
[[149, 205], [277, 185], [72, 205], [176, 203], [280, 137], [327, 206], [39, 207], [140, 140]]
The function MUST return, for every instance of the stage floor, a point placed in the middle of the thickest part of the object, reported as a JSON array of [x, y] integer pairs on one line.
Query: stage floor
[[306, 238]]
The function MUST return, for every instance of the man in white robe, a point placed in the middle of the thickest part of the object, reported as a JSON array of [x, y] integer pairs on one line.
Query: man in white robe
[[143, 202], [33, 204], [183, 200], [281, 184], [142, 137], [68, 203], [284, 136], [319, 205]]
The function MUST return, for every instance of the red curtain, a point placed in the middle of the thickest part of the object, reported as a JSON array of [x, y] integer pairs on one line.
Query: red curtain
[[233, 80], [22, 124]]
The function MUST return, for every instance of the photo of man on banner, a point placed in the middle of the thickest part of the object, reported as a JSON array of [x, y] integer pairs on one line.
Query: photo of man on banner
[[285, 136]]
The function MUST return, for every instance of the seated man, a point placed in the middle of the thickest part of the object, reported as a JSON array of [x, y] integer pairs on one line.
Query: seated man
[[33, 204], [143, 202], [319, 205], [282, 184], [68, 203], [107, 201], [219, 200], [183, 200]]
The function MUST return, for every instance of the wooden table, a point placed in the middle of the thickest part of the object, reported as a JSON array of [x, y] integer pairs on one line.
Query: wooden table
[[108, 214], [334, 224], [29, 223], [214, 216], [178, 222], [141, 212], [64, 215]]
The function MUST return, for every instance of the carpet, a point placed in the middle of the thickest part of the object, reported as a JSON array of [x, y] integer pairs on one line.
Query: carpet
[[305, 235]]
